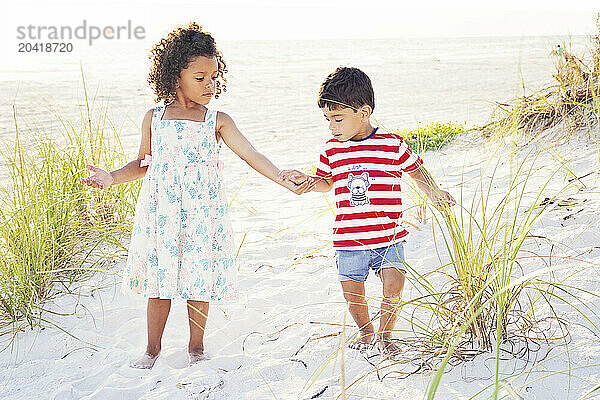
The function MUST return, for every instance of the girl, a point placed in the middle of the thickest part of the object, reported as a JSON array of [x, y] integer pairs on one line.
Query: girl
[[181, 243]]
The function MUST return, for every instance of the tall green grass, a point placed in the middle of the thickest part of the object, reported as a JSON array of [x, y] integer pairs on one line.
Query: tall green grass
[[54, 230], [492, 303]]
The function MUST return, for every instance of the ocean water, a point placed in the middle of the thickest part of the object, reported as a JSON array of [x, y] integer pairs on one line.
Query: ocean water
[[272, 86]]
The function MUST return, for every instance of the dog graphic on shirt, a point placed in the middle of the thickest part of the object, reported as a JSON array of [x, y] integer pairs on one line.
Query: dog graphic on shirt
[[358, 186]]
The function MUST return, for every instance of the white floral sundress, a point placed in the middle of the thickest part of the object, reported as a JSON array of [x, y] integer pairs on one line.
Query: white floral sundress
[[182, 241]]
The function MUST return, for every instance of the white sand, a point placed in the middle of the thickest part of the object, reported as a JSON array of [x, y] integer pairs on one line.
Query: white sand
[[283, 292]]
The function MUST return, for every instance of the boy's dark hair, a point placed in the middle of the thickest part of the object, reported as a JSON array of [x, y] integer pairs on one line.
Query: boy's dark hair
[[346, 87], [175, 52]]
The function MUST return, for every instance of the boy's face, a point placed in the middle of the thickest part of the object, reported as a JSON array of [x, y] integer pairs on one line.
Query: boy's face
[[346, 123], [197, 81]]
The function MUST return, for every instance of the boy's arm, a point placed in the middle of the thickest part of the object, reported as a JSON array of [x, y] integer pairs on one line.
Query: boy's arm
[[427, 184], [321, 184]]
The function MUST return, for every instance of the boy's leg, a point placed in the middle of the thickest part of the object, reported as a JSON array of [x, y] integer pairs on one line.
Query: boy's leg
[[156, 314], [393, 284], [197, 315], [354, 293]]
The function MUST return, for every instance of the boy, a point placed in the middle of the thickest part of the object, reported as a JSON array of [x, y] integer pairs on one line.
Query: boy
[[364, 165]]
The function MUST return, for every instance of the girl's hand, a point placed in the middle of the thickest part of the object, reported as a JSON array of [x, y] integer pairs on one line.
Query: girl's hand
[[101, 179], [294, 176], [304, 187], [297, 181]]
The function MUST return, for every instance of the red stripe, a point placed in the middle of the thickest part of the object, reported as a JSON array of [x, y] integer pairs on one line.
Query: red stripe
[[366, 242], [358, 160], [361, 215], [322, 174], [372, 174], [394, 215], [394, 201], [363, 147], [372, 189], [405, 156], [364, 228], [413, 166]]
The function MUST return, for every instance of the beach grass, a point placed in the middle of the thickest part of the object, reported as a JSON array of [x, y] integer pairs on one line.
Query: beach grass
[[54, 230], [493, 304], [432, 136], [571, 104]]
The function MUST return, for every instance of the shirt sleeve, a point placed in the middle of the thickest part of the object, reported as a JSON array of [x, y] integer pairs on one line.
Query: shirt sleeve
[[408, 160], [323, 167]]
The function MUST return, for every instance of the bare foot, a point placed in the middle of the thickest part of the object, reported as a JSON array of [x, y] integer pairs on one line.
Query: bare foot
[[388, 348], [359, 346], [197, 356], [363, 343], [145, 362]]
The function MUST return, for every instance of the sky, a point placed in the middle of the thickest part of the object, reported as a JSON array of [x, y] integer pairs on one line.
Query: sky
[[313, 19]]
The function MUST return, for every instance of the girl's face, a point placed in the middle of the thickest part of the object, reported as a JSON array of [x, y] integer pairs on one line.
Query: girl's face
[[197, 81]]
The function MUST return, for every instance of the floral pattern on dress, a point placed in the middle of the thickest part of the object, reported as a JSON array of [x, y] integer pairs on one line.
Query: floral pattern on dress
[[182, 241]]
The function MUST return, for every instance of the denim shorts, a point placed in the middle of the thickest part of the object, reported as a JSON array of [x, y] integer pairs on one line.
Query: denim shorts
[[354, 265]]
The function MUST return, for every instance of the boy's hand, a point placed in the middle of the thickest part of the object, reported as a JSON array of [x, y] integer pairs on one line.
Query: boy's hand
[[442, 199], [101, 179]]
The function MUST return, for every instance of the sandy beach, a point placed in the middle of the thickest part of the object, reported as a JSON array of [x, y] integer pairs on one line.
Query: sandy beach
[[281, 340], [284, 338]]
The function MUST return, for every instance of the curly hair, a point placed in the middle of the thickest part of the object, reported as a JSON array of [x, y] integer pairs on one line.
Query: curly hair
[[346, 87], [174, 53]]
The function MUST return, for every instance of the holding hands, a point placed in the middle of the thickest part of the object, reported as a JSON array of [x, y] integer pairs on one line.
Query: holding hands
[[296, 181]]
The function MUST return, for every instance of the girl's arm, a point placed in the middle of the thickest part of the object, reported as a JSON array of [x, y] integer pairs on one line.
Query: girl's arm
[[132, 171], [318, 184], [234, 139]]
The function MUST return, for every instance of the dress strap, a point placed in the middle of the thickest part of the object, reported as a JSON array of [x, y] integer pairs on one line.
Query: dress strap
[[211, 118], [211, 123], [157, 115]]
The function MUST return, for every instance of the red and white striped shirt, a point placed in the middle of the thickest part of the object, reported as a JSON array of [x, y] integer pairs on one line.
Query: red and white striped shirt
[[366, 178]]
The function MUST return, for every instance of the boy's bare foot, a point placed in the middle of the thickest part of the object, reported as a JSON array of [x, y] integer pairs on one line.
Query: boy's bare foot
[[146, 361], [360, 346], [197, 355], [363, 343], [388, 348]]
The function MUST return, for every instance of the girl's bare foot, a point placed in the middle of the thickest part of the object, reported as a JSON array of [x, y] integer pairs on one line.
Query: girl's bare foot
[[145, 362], [197, 355]]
